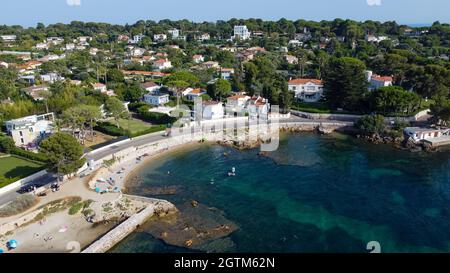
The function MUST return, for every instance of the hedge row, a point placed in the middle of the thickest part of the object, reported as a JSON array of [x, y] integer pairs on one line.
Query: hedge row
[[110, 129], [154, 117], [29, 155]]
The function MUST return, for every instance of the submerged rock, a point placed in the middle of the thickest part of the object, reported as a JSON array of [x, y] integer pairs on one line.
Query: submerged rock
[[193, 227]]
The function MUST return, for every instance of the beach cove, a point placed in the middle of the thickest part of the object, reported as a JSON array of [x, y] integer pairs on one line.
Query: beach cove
[[315, 193]]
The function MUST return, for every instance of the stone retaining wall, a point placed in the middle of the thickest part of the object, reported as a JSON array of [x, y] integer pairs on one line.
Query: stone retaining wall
[[119, 233]]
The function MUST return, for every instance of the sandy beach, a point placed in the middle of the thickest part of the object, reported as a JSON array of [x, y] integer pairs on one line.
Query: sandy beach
[[58, 233], [61, 232]]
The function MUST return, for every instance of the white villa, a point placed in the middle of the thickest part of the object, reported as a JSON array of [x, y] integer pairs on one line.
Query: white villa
[[212, 110], [241, 32], [175, 33], [150, 87], [307, 90], [377, 81], [162, 64], [226, 73], [136, 39], [198, 59], [156, 98], [241, 104], [159, 37], [237, 104], [28, 131]]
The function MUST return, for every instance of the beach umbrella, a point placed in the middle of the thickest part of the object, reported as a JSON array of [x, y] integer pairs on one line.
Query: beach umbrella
[[12, 244]]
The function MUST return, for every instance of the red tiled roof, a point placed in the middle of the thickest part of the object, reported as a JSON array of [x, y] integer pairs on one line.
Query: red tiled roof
[[149, 84], [383, 78], [305, 81], [145, 73], [236, 97]]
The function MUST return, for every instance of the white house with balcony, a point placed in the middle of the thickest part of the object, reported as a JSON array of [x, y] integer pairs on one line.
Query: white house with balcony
[[241, 33], [175, 33], [307, 90], [28, 131], [136, 39]]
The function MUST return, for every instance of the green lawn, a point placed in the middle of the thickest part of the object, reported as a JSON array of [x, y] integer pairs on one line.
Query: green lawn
[[134, 125], [15, 168]]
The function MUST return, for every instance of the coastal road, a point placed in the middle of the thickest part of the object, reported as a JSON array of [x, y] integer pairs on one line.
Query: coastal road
[[159, 136], [101, 153], [45, 180]]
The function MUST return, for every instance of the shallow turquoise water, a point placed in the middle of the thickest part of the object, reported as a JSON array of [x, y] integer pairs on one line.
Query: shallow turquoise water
[[314, 194]]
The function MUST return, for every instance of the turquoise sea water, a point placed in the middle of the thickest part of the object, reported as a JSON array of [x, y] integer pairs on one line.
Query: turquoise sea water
[[314, 194]]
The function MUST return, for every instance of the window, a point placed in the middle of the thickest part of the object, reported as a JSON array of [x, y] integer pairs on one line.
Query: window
[[20, 133], [21, 140]]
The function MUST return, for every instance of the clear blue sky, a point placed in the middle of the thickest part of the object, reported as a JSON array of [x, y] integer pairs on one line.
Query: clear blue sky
[[29, 12]]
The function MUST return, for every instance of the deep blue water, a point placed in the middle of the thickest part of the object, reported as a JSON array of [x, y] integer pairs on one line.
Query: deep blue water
[[314, 194]]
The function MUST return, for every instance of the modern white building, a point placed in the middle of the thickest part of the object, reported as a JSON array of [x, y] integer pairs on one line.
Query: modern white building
[[241, 32], [212, 110], [51, 77], [226, 73], [159, 37], [175, 33], [307, 90], [156, 98], [28, 131], [419, 134], [8, 38], [136, 39]]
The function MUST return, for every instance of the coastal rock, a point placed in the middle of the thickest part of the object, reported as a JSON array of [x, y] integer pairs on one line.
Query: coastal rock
[[192, 227]]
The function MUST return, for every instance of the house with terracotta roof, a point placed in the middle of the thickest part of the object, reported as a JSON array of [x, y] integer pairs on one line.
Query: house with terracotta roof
[[237, 104], [150, 86], [198, 59], [377, 81], [307, 90], [258, 107], [195, 93], [162, 64]]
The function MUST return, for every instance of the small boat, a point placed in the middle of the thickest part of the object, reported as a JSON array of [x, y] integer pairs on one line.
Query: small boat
[[233, 172]]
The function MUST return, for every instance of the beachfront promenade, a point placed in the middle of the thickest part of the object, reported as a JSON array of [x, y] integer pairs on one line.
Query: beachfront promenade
[[125, 154]]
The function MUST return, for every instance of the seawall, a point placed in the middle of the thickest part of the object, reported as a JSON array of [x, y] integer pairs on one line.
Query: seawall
[[109, 240]]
